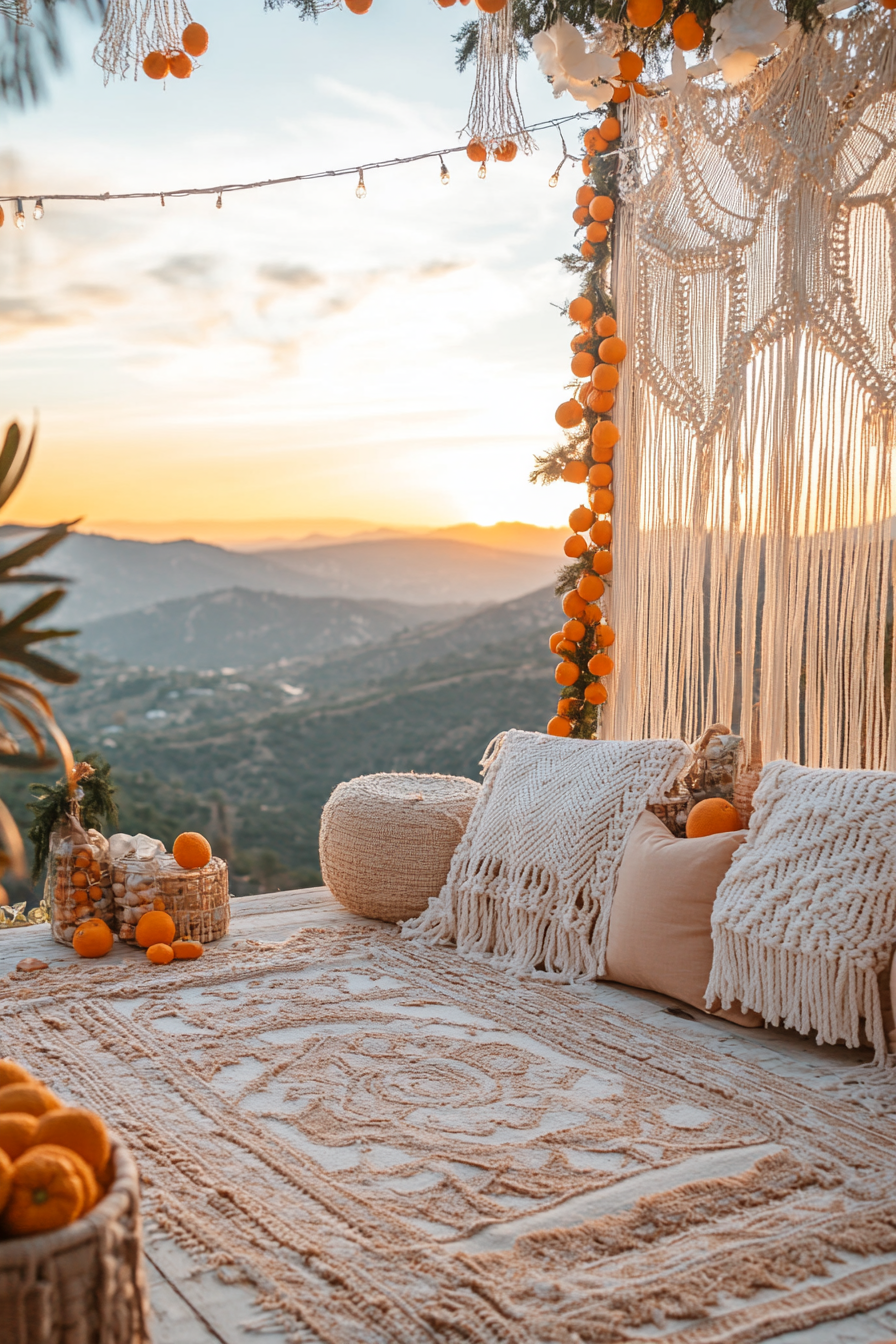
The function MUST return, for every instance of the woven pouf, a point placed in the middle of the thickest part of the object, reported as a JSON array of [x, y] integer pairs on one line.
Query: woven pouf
[[386, 841]]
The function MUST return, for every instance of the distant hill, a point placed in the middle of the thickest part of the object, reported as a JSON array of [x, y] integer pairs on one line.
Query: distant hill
[[510, 537], [242, 629], [112, 576], [417, 569], [183, 741]]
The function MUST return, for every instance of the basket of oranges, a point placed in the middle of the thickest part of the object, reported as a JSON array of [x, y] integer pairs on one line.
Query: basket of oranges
[[71, 1247], [189, 884]]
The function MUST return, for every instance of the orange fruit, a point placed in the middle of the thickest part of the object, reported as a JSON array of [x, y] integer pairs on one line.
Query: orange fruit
[[5, 1177], [605, 326], [194, 39], [574, 547], [32, 1098], [580, 309], [595, 694], [602, 533], [180, 65], [610, 128], [565, 646], [601, 402], [82, 860], [476, 151], [506, 152], [604, 636], [584, 196], [50, 1187], [601, 454], [582, 364], [155, 65], [160, 954], [687, 33], [580, 338], [593, 141], [644, 13], [600, 665], [612, 350], [572, 604], [621, 94], [555, 639], [559, 727], [600, 474], [583, 393], [574, 471], [602, 501], [581, 519], [93, 938], [566, 673], [590, 587], [17, 1130], [712, 816], [567, 706], [156, 926], [11, 1072], [358, 6], [491, 6], [569, 414], [605, 377], [80, 878], [602, 208], [186, 949], [605, 434], [587, 249], [574, 631], [78, 1129], [191, 850], [596, 233], [602, 561], [630, 65], [580, 214], [592, 614], [586, 167]]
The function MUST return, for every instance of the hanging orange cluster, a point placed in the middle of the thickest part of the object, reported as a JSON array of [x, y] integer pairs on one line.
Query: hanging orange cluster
[[160, 64], [687, 32], [582, 643]]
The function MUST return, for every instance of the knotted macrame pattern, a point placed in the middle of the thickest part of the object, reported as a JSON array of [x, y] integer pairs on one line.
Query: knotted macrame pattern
[[754, 273]]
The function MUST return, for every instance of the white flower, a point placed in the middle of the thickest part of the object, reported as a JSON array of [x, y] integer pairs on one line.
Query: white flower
[[743, 32], [565, 59]]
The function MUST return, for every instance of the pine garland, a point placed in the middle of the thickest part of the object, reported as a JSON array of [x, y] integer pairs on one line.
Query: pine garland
[[92, 803]]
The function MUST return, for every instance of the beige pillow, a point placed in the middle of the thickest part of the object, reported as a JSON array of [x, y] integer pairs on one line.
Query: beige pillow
[[660, 921]]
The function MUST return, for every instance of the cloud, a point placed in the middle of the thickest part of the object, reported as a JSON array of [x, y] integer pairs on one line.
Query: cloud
[[290, 277], [433, 270], [183, 271]]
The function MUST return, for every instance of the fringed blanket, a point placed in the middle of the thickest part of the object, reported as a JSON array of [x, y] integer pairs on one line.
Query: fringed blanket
[[805, 919], [532, 880]]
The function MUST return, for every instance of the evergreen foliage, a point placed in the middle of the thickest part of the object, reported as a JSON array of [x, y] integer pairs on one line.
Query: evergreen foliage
[[93, 803]]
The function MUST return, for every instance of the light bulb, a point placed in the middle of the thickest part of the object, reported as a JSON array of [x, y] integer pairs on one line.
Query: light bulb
[[553, 179], [360, 189], [20, 214], [444, 175], [38, 209], [481, 170], [162, 199], [218, 202]]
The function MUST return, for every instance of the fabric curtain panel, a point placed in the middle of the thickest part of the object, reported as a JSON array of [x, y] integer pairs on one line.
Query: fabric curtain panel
[[756, 270]]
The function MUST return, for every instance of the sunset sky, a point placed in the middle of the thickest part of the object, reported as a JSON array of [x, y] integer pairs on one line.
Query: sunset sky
[[298, 353]]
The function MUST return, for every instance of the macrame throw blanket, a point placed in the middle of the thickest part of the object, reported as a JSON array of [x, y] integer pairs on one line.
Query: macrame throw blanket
[[805, 919], [532, 880]]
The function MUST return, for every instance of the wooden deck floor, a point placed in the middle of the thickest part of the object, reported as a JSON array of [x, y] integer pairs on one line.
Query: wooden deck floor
[[191, 1305]]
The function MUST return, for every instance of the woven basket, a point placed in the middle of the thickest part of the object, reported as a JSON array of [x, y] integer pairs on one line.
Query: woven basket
[[197, 899], [85, 1283], [386, 841]]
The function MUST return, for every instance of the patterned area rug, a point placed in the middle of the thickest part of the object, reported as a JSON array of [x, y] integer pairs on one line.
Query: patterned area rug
[[394, 1144]]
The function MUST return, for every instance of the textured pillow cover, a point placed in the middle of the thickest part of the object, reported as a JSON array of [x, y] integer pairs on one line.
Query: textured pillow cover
[[532, 880], [805, 919], [660, 935]]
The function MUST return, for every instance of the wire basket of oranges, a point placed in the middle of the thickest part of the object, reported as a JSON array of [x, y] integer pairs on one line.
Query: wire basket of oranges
[[71, 1242]]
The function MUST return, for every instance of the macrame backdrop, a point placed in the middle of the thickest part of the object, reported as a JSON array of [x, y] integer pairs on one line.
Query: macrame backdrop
[[133, 28], [495, 115], [754, 272]]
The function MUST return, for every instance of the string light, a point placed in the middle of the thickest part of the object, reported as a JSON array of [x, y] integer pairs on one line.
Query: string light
[[444, 175], [360, 189], [218, 202], [162, 199], [555, 176], [38, 209], [20, 213], [481, 172]]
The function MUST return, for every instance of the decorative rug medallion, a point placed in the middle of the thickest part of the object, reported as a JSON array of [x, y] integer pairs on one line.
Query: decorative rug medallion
[[392, 1143]]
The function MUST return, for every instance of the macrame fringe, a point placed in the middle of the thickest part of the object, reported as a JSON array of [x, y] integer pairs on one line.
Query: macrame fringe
[[134, 28], [754, 483], [828, 994], [495, 115]]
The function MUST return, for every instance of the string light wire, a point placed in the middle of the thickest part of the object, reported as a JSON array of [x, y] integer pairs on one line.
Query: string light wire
[[227, 187]]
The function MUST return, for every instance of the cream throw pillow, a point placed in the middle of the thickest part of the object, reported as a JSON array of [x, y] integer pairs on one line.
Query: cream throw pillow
[[660, 921]]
